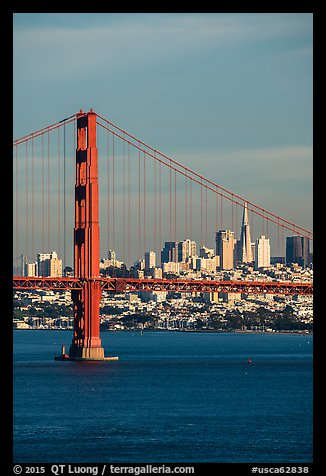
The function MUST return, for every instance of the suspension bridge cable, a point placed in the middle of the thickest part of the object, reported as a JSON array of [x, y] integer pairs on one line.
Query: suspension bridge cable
[[183, 168]]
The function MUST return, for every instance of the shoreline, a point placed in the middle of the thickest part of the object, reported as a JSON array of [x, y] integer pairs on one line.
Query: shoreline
[[206, 331]]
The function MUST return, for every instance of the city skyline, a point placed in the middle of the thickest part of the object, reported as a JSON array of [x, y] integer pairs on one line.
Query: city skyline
[[229, 250], [256, 67]]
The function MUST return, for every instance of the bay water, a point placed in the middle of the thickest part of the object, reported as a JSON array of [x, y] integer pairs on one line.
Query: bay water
[[171, 397]]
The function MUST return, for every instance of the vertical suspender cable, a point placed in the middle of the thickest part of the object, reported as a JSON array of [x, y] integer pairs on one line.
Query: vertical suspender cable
[[113, 194], [216, 210], [201, 212], [138, 203], [155, 204], [43, 240], [190, 217], [64, 198], [186, 206], [221, 213], [175, 207], [59, 242], [48, 217], [26, 199], [129, 238], [160, 205], [108, 194], [205, 216], [33, 220], [170, 208], [232, 221], [144, 204], [278, 239], [16, 206], [123, 202]]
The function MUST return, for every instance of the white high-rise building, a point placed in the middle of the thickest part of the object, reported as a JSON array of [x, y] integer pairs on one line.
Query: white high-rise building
[[262, 253], [225, 243], [48, 264], [43, 264], [150, 260], [186, 249], [30, 269], [55, 265]]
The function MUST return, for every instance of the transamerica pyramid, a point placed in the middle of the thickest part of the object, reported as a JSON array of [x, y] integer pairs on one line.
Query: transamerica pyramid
[[245, 239]]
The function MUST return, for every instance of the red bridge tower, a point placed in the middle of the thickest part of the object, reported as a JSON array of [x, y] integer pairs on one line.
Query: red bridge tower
[[86, 343]]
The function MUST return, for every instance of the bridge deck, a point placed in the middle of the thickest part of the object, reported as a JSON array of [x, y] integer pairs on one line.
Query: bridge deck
[[116, 285]]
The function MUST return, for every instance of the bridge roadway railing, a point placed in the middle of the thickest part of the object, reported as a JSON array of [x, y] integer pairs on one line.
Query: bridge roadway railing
[[117, 285]]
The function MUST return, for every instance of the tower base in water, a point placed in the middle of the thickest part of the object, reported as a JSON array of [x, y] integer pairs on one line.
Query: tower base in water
[[84, 354]]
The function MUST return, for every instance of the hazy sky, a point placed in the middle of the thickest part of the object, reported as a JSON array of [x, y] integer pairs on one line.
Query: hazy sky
[[228, 95]]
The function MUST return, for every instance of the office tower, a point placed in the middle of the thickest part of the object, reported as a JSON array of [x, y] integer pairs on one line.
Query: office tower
[[205, 252], [297, 250], [169, 252], [262, 253], [150, 259], [24, 261], [207, 264], [156, 273], [225, 243], [112, 257], [245, 251], [55, 266], [30, 269], [49, 264], [186, 249], [253, 251], [43, 264]]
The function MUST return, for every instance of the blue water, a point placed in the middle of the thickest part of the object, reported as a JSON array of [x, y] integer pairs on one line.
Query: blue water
[[171, 397]]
